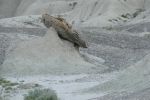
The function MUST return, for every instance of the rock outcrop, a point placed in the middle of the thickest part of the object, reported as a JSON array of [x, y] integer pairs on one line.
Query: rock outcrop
[[64, 30]]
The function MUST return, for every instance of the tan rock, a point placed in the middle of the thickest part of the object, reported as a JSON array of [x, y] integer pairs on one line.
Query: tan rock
[[63, 29]]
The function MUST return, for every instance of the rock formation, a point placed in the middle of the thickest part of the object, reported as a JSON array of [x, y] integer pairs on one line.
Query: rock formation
[[63, 29]]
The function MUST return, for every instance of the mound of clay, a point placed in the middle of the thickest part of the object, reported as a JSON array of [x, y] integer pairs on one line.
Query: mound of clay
[[45, 55]]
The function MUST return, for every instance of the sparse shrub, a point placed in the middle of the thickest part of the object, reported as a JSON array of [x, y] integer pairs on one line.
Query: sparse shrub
[[41, 94], [2, 81], [7, 84]]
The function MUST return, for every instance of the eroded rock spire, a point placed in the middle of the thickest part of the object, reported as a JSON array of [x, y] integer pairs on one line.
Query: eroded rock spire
[[63, 29]]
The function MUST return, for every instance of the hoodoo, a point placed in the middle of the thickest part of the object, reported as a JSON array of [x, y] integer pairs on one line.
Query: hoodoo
[[63, 29]]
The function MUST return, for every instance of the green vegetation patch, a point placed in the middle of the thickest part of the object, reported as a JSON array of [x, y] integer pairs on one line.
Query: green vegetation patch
[[6, 84], [41, 94]]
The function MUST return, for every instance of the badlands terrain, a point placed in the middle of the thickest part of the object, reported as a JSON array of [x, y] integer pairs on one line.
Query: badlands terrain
[[115, 66]]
